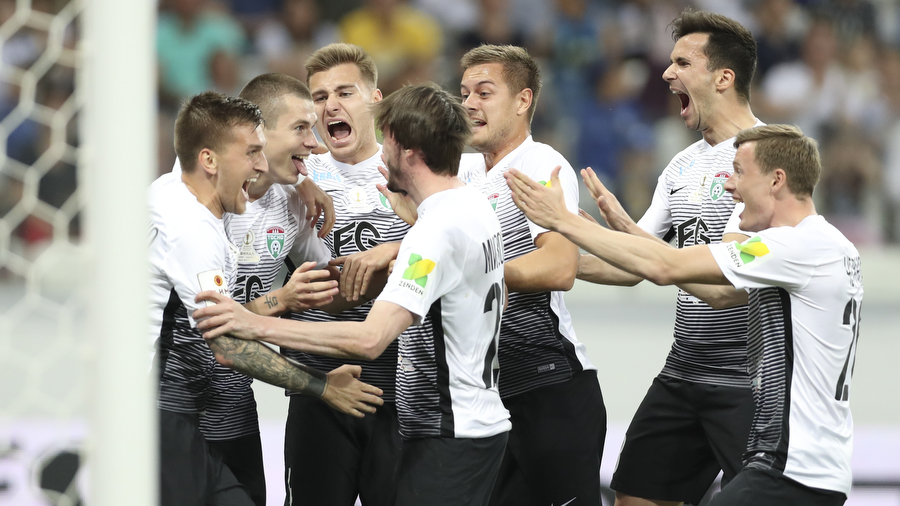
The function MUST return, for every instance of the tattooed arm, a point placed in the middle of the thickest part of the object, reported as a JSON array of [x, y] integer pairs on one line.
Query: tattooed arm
[[339, 388], [305, 289]]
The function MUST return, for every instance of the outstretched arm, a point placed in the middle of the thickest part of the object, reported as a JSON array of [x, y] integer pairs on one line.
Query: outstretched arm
[[648, 259], [340, 388], [365, 340]]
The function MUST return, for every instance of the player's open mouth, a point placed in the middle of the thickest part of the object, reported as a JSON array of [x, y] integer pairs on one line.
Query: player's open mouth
[[245, 188], [300, 163], [685, 100], [477, 122], [339, 130]]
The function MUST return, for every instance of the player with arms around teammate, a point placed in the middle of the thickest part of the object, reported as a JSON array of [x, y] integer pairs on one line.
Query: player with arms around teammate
[[803, 282], [449, 267], [220, 141], [355, 457], [549, 459], [272, 225], [696, 415]]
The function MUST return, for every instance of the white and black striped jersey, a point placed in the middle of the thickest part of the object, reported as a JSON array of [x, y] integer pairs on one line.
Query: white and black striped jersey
[[690, 206], [186, 241], [538, 346], [270, 227], [450, 267], [363, 219], [805, 290]]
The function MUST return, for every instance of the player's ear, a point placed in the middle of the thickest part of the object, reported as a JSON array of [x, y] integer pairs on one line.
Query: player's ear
[[376, 95], [725, 79], [206, 161], [779, 179], [524, 99]]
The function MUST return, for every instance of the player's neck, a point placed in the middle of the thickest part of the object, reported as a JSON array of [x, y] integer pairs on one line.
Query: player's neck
[[200, 186], [728, 121], [259, 187], [793, 210], [429, 183], [365, 152], [504, 148]]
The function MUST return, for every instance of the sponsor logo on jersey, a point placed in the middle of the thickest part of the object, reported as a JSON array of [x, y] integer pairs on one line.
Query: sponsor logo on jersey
[[275, 240], [717, 187], [493, 198], [322, 175], [418, 270], [752, 249]]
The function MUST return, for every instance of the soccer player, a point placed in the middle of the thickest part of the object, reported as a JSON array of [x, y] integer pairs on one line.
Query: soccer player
[[220, 142], [803, 282], [450, 266], [549, 459], [355, 457], [272, 225], [696, 415]]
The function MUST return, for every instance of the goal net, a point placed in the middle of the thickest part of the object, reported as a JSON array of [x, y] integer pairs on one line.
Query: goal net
[[77, 109]]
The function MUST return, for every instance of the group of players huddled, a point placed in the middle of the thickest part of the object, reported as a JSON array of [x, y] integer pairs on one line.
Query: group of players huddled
[[425, 341]]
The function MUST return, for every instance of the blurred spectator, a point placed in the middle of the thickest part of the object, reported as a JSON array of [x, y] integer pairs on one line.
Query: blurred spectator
[[890, 90], [778, 28], [404, 42], [852, 18], [287, 41], [576, 50], [455, 17], [847, 196], [614, 139], [805, 92], [189, 34], [494, 26]]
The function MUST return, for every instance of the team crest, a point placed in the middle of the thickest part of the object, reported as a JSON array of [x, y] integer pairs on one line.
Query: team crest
[[384, 201], [493, 198], [717, 187], [275, 240]]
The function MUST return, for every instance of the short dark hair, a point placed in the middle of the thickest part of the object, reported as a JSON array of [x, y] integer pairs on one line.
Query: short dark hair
[[730, 45], [268, 90], [785, 147], [428, 119], [520, 71], [340, 53], [206, 121]]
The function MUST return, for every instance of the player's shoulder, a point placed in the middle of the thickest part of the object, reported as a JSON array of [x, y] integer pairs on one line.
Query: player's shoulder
[[535, 153]]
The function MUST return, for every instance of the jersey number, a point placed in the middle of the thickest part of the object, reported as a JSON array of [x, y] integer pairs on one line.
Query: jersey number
[[851, 317], [491, 362]]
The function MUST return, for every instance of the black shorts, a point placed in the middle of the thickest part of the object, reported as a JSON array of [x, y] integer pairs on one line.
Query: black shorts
[[555, 445], [440, 471], [190, 475], [331, 457], [758, 486], [244, 457], [681, 436]]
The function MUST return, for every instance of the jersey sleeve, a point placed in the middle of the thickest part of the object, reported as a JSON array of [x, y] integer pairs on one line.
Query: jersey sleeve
[[191, 256], [769, 258], [425, 269], [658, 218], [539, 169]]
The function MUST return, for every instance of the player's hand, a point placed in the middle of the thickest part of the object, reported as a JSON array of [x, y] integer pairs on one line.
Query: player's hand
[[317, 203], [543, 205], [610, 208], [226, 317], [345, 393], [402, 205], [308, 288], [359, 268]]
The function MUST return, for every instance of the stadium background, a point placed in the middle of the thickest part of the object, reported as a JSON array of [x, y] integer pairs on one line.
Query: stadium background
[[830, 66]]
